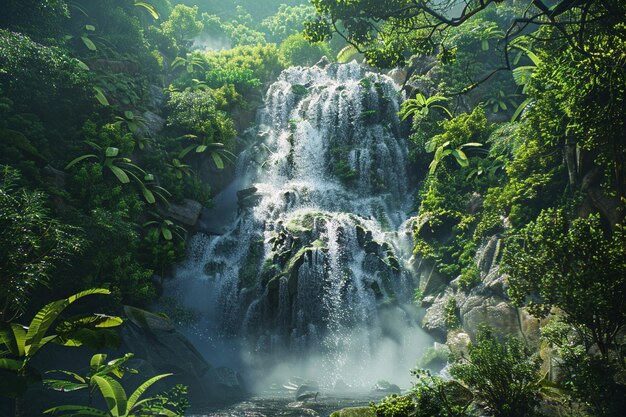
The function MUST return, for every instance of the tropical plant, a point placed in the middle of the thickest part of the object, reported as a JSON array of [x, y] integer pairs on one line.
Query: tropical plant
[[97, 367], [217, 151], [504, 375], [491, 31], [191, 63], [118, 403], [165, 227], [422, 105], [22, 343], [179, 169], [124, 170], [148, 8], [444, 150], [85, 37], [433, 396]]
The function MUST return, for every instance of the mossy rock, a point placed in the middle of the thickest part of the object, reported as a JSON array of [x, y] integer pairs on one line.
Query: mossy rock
[[250, 268], [147, 320], [354, 412]]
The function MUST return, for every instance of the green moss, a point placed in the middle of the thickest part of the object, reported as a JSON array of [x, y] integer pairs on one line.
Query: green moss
[[354, 412]]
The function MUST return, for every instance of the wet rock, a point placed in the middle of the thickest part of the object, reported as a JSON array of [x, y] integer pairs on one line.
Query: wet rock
[[153, 124], [246, 192], [475, 203], [386, 388], [186, 213], [398, 75], [323, 62], [224, 383], [55, 177]]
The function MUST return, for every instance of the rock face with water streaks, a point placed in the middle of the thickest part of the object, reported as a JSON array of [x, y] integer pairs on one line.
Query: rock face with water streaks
[[315, 264]]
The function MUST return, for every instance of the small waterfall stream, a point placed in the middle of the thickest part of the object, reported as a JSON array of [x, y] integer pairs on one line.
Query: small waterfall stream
[[311, 277]]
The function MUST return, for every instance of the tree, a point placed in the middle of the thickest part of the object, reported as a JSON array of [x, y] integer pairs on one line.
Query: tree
[[575, 266], [183, 24], [505, 376], [387, 32], [32, 244], [296, 50]]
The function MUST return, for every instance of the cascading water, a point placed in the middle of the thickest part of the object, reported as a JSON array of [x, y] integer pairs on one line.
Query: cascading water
[[311, 277]]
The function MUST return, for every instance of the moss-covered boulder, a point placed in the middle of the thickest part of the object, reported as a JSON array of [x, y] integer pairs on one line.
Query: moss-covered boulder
[[354, 412]]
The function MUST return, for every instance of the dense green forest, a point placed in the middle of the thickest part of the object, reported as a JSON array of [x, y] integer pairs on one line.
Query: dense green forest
[[119, 117]]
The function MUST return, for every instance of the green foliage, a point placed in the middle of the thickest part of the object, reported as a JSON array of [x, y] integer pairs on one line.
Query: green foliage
[[502, 375], [451, 314], [32, 243], [195, 113], [572, 265], [296, 50], [22, 343], [394, 406], [287, 21], [119, 404], [435, 397], [182, 24], [589, 379], [37, 72]]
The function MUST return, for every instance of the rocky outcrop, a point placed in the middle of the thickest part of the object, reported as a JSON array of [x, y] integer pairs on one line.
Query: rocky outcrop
[[186, 213], [160, 348]]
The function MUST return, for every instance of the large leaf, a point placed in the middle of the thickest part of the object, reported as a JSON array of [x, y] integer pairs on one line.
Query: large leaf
[[217, 159], [79, 159], [167, 233], [11, 364], [460, 157], [113, 393], [69, 373], [88, 43], [119, 173], [42, 321], [148, 195], [13, 336], [521, 108], [76, 410], [111, 152], [100, 96], [132, 400], [63, 386], [149, 8], [346, 53], [521, 75], [97, 360]]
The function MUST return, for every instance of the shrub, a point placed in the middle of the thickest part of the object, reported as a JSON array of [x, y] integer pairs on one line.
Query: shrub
[[504, 376]]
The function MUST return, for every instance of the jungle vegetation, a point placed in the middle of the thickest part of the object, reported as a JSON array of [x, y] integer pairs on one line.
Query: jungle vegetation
[[516, 111]]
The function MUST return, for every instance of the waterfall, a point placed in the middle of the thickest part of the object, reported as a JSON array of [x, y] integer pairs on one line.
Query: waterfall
[[312, 275]]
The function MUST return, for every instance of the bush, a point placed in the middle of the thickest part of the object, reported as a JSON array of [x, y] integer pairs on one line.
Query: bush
[[295, 50], [504, 376]]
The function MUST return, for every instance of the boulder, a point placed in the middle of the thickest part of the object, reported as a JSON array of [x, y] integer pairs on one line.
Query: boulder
[[154, 339], [492, 310], [457, 342], [153, 124], [186, 213], [398, 75], [223, 384], [434, 321]]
